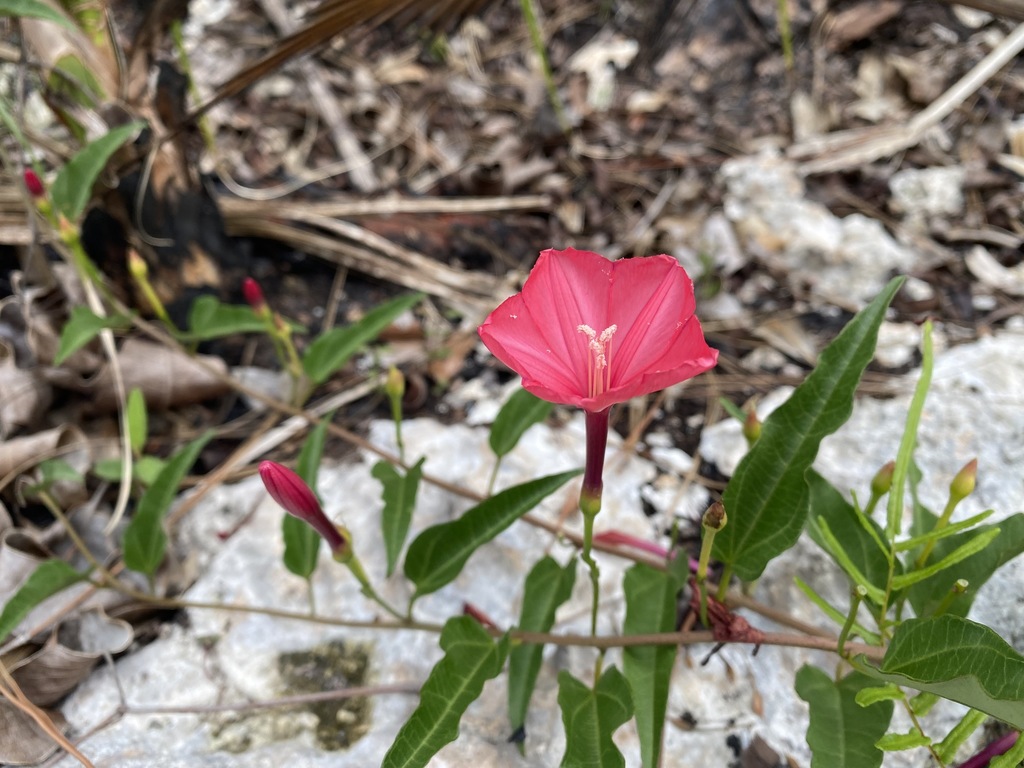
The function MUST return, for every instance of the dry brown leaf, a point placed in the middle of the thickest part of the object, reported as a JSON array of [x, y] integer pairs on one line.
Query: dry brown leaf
[[167, 378], [49, 673], [25, 395], [858, 22], [25, 452], [22, 742], [446, 365], [789, 337]]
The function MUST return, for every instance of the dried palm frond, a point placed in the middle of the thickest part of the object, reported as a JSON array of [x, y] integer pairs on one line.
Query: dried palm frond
[[333, 17]]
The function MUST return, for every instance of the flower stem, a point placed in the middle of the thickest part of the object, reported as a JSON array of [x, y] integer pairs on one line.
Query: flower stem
[[356, 567], [856, 596], [595, 572]]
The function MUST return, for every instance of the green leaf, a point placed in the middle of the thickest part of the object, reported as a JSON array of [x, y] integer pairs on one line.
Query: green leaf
[[969, 723], [301, 541], [399, 496], [591, 716], [209, 319], [146, 469], [1012, 758], [916, 542], [849, 527], [49, 578], [437, 556], [958, 660], [831, 545], [898, 742], [301, 546], [82, 327], [333, 349], [471, 658], [650, 607], [975, 544], [72, 188], [927, 595], [905, 467], [33, 9], [138, 422], [548, 585], [768, 496], [517, 415], [842, 734], [144, 539], [888, 692]]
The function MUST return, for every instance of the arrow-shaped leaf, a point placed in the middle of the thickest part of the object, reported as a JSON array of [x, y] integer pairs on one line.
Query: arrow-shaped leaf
[[842, 734], [437, 556], [548, 585], [650, 607], [590, 716], [399, 496], [767, 498], [471, 658]]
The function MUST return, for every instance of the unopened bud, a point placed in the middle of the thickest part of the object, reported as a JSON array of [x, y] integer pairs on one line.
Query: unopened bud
[[882, 481], [254, 295], [963, 484], [34, 184], [298, 500], [714, 517], [751, 427], [137, 265], [394, 386]]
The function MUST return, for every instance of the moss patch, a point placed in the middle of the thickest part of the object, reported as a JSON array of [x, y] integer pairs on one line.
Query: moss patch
[[329, 667]]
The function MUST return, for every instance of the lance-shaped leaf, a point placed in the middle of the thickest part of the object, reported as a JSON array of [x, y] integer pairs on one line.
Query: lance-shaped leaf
[[927, 595], [49, 578], [334, 348], [590, 716], [517, 415], [958, 660], [73, 186], [767, 498], [399, 496], [548, 585], [651, 607], [471, 658], [144, 539], [841, 733], [437, 556], [301, 541]]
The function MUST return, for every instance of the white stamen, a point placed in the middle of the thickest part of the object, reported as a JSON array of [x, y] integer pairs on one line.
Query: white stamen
[[599, 354]]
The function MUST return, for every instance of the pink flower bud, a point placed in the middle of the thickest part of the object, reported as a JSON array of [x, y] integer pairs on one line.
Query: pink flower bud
[[291, 492], [33, 184], [254, 294]]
